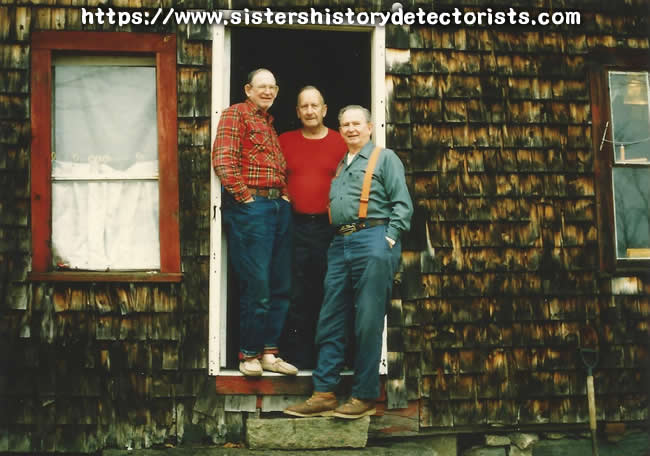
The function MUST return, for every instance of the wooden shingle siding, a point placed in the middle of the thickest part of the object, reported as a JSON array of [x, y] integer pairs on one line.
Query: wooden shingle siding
[[502, 179], [499, 276], [97, 365]]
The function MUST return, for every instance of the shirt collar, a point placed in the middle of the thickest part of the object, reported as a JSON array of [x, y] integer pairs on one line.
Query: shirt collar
[[367, 150], [257, 110]]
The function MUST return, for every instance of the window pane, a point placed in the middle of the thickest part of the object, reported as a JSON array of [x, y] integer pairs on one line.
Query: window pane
[[632, 211], [105, 133], [630, 119], [105, 225], [104, 117]]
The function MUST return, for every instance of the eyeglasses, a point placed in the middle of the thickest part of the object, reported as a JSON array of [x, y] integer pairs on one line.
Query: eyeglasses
[[264, 88]]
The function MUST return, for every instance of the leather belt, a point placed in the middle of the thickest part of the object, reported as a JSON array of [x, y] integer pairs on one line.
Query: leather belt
[[300, 217], [271, 193], [350, 228]]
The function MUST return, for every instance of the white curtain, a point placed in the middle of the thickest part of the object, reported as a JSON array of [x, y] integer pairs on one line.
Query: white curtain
[[105, 168]]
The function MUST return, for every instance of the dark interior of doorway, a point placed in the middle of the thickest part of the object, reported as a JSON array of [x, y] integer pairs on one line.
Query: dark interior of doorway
[[337, 62]]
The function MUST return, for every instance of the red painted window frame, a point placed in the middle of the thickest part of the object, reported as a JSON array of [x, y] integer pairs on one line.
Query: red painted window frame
[[603, 61], [164, 48]]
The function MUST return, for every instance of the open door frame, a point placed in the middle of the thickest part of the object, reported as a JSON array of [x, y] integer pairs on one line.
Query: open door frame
[[218, 250]]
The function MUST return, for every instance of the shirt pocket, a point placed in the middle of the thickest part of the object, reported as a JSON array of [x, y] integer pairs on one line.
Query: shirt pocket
[[261, 143], [259, 138]]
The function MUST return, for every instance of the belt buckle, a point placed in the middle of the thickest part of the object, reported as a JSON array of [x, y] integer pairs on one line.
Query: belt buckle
[[347, 229], [274, 193]]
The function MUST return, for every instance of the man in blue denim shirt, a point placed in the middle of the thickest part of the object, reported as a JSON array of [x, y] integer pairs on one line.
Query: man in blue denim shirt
[[361, 262]]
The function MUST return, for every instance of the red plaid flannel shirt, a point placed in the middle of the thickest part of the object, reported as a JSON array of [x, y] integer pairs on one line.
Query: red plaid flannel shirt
[[246, 151]]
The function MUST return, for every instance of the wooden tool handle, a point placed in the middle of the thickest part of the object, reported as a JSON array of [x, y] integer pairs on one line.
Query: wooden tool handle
[[591, 397]]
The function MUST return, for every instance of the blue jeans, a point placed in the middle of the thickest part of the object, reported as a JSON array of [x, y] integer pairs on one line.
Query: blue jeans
[[311, 238], [358, 285], [259, 246]]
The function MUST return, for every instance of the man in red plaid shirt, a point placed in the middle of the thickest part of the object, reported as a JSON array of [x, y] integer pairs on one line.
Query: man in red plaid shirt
[[256, 212]]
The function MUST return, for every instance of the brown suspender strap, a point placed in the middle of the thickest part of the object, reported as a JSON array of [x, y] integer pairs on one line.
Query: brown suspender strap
[[367, 181]]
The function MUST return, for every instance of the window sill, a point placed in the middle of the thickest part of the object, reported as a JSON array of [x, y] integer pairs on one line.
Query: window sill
[[98, 276]]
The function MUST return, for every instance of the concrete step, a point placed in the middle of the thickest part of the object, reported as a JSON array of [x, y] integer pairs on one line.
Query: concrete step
[[306, 433]]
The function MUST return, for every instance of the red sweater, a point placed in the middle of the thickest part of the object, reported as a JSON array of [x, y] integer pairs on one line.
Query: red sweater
[[311, 164]]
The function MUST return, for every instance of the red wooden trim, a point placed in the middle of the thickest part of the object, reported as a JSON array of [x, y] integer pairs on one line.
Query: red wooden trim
[[604, 158], [299, 386], [40, 162], [602, 170], [41, 101], [281, 385], [103, 41], [412, 409], [77, 276], [170, 260]]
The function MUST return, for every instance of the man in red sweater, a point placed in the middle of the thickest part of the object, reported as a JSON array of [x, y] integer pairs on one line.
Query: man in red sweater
[[312, 154]]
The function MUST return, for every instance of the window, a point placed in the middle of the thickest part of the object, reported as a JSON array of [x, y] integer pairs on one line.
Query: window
[[621, 132], [104, 160]]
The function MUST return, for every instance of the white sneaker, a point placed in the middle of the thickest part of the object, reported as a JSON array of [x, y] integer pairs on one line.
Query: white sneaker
[[271, 363], [250, 367]]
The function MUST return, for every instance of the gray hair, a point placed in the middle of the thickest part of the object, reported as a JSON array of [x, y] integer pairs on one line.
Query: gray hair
[[365, 112], [251, 75], [309, 87]]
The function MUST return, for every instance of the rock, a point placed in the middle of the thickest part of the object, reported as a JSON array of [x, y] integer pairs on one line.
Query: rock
[[306, 433], [497, 440], [562, 447], [484, 451], [444, 445], [516, 451], [523, 441]]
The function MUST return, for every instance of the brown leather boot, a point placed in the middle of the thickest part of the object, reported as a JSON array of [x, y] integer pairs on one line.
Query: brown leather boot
[[319, 404], [355, 408]]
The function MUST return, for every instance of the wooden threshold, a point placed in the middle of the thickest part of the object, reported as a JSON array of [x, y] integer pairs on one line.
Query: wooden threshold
[[230, 382]]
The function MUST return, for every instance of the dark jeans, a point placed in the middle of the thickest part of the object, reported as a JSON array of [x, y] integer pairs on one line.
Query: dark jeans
[[359, 281], [259, 246], [311, 238]]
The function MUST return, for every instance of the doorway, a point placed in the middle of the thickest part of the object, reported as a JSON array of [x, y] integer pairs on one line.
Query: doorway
[[337, 63], [346, 64]]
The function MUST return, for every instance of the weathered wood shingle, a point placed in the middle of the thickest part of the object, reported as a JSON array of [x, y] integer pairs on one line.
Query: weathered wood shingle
[[510, 213]]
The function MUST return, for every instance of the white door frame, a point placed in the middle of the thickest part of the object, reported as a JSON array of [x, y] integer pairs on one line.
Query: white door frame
[[220, 101]]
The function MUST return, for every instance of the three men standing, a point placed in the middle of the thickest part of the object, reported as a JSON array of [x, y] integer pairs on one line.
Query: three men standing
[[312, 154], [257, 215], [361, 263], [370, 208]]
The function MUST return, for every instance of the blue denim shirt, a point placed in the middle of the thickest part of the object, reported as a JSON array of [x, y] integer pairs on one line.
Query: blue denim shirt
[[389, 196]]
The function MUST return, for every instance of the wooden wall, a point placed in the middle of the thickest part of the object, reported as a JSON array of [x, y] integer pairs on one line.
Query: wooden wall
[[85, 366], [501, 273], [500, 270]]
